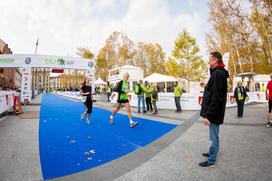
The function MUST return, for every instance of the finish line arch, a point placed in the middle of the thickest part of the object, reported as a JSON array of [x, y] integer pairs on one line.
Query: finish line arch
[[29, 61]]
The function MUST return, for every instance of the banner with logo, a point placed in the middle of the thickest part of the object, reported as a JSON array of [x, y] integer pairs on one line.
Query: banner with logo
[[26, 84], [90, 74], [27, 61], [45, 61], [226, 60]]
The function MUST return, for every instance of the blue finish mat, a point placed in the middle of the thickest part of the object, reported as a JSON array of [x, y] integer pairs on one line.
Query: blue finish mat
[[69, 145]]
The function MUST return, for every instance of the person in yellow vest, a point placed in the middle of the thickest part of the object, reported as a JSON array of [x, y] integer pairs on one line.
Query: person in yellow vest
[[177, 95], [154, 98], [148, 92], [109, 91], [240, 96], [139, 91], [99, 90], [262, 88]]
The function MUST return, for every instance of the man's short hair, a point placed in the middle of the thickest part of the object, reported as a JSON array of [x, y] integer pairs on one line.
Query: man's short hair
[[217, 55]]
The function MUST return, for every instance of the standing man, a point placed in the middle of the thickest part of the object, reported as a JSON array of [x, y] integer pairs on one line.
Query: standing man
[[214, 105], [148, 93], [122, 88], [109, 91], [139, 91], [154, 98], [177, 95], [268, 94]]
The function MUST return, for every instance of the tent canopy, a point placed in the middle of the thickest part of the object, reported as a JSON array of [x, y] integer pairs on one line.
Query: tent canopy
[[156, 77], [99, 81]]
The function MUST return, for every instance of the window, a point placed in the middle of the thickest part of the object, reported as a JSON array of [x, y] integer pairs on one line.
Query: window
[[114, 72]]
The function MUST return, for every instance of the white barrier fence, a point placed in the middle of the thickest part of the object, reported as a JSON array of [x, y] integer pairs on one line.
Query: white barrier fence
[[76, 95], [189, 101], [6, 100]]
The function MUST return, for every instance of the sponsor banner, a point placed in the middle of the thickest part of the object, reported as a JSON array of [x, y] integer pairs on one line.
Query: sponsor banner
[[45, 61], [90, 74], [226, 60], [189, 101], [6, 100], [26, 84]]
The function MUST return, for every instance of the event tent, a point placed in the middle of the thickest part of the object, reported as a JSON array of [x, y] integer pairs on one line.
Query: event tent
[[99, 81], [156, 77], [163, 81]]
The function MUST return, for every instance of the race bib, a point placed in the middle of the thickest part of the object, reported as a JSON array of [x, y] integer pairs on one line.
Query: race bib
[[84, 98]]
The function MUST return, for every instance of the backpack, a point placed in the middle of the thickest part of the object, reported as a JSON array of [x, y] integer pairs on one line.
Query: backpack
[[138, 89], [155, 95]]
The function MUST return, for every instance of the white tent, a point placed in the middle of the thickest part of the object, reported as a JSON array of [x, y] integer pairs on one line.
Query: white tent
[[162, 81], [156, 77], [99, 81]]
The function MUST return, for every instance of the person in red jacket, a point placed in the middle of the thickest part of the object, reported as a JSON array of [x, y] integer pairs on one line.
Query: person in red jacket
[[268, 94]]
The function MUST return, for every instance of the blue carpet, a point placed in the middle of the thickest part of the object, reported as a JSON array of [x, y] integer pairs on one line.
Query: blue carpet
[[64, 138]]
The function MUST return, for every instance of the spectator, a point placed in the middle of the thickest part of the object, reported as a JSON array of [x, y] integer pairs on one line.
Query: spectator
[[154, 98], [148, 93], [268, 94], [139, 91], [240, 96], [214, 105], [177, 95]]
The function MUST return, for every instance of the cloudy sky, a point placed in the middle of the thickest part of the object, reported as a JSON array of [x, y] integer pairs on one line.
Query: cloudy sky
[[63, 25]]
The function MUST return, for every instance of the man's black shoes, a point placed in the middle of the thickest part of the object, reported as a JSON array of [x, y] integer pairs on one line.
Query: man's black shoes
[[206, 164], [205, 154]]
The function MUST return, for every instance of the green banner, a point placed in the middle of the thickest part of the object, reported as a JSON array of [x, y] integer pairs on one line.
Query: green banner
[[7, 60]]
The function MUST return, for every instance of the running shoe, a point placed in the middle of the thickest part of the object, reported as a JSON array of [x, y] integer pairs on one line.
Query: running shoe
[[88, 121], [111, 119], [133, 124]]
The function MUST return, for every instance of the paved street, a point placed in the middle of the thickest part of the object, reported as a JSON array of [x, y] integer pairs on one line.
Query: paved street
[[245, 149]]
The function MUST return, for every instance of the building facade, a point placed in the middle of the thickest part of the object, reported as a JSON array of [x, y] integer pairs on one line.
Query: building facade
[[41, 79], [10, 78], [56, 82]]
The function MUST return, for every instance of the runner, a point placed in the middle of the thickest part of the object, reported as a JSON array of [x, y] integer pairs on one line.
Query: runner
[[86, 91], [122, 88], [268, 94]]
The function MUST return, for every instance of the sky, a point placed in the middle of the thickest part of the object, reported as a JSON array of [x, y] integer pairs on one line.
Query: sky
[[63, 25]]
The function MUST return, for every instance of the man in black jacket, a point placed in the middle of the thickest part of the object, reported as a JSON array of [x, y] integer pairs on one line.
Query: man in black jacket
[[214, 105]]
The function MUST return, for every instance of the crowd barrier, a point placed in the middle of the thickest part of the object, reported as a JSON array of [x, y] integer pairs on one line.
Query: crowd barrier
[[189, 101], [7, 100]]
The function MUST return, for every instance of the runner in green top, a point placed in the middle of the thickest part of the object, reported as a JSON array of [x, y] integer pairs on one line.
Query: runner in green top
[[123, 95], [122, 88]]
